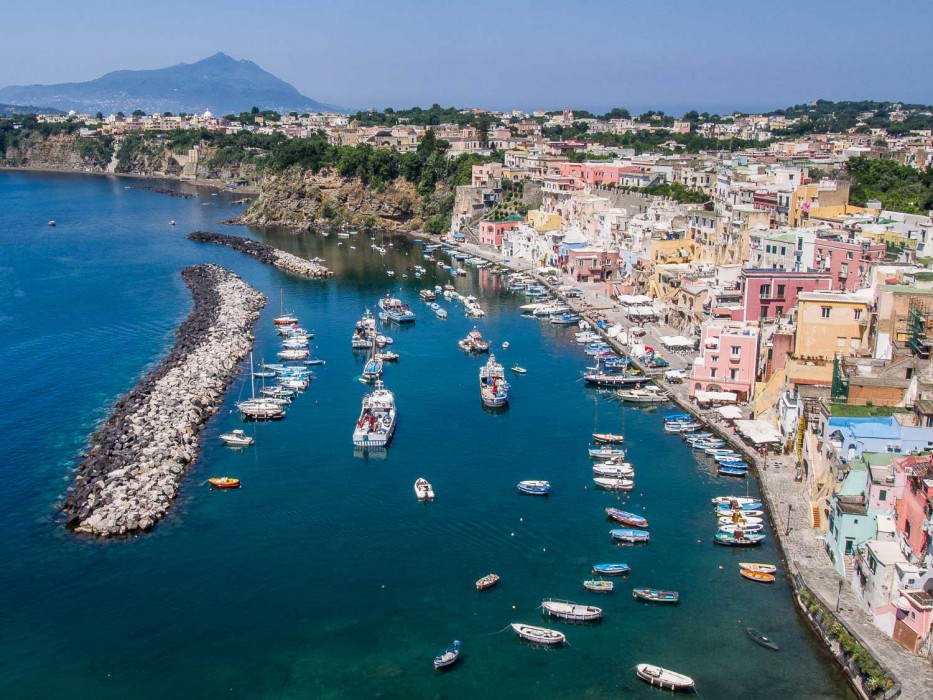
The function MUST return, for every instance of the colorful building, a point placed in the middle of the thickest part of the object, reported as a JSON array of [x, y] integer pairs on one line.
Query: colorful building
[[492, 232], [768, 294], [831, 323], [728, 359], [592, 264]]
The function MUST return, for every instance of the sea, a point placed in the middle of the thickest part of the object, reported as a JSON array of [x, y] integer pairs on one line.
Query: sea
[[323, 576]]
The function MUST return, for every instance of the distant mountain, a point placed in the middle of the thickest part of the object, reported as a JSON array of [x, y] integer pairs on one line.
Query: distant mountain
[[219, 83], [9, 110]]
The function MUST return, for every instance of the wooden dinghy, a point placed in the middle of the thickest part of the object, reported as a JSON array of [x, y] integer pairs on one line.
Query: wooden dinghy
[[611, 569], [539, 635], [626, 518], [656, 595], [599, 586], [570, 611], [488, 581], [611, 484], [738, 539], [224, 482], [663, 678], [608, 438], [756, 576], [755, 566], [448, 657]]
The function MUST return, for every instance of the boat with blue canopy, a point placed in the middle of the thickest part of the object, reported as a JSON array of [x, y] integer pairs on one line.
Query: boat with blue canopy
[[611, 569], [629, 535]]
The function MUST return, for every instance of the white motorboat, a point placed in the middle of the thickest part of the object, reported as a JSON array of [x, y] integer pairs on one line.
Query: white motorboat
[[572, 612], [614, 470], [539, 635], [423, 490], [614, 484], [294, 354], [237, 438], [648, 394], [376, 424], [261, 408]]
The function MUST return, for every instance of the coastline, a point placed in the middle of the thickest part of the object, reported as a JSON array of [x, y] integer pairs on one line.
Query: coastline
[[207, 183]]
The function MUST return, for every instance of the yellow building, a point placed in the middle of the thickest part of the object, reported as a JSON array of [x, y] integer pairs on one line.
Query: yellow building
[[542, 221], [831, 323]]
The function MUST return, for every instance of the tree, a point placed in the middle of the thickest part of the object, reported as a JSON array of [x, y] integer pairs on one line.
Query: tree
[[138, 113], [691, 116], [254, 110], [166, 114], [99, 116]]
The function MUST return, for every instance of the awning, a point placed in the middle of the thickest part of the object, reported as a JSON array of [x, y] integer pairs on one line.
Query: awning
[[758, 431], [710, 396], [729, 412]]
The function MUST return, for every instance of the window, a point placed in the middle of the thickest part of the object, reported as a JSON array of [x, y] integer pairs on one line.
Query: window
[[780, 311], [736, 350], [783, 250], [780, 291], [849, 255], [882, 495], [764, 312], [765, 291], [907, 529], [733, 374], [824, 311], [858, 314], [712, 373], [840, 342]]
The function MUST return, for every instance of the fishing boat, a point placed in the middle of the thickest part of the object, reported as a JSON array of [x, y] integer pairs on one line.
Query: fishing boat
[[423, 490], [293, 354], [682, 426], [519, 370], [363, 332], [427, 295], [474, 342], [535, 488], [608, 438], [598, 586], [648, 394], [493, 388], [612, 484], [755, 566], [224, 482], [735, 501], [488, 581], [571, 612], [761, 640], [611, 569], [663, 678], [565, 319], [656, 595], [396, 310], [626, 518], [539, 635], [387, 356], [622, 470], [750, 515], [606, 451], [376, 424], [629, 535], [738, 538], [237, 438], [448, 657], [744, 527], [732, 470], [756, 576]]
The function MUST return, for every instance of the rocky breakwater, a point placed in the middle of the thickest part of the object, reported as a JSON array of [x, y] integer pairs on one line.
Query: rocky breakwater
[[264, 253], [138, 457]]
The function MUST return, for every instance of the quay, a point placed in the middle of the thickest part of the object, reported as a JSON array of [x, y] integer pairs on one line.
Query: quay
[[139, 456], [823, 597], [264, 253]]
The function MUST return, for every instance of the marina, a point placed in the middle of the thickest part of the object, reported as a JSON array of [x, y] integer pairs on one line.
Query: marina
[[425, 601]]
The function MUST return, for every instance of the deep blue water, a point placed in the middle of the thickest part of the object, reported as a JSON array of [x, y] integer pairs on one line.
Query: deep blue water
[[322, 576]]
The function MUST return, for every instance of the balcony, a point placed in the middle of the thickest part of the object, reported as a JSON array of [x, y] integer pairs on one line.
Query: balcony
[[735, 359], [772, 296]]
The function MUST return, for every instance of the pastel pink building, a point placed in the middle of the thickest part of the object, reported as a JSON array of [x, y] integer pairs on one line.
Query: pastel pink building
[[728, 359], [492, 232], [592, 174], [847, 262], [592, 264], [768, 294]]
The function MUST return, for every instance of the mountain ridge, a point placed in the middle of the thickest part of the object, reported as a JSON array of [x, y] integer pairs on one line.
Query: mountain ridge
[[218, 83]]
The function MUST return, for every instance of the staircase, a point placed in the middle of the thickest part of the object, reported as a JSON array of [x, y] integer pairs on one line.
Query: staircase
[[816, 515], [848, 564]]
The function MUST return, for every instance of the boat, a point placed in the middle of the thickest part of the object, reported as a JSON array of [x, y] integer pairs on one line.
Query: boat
[[626, 518], [608, 438], [629, 535], [283, 319], [52, 222], [423, 490], [539, 635], [535, 488], [599, 586], [734, 501], [656, 595], [738, 538], [427, 295], [737, 518], [372, 370], [396, 310], [606, 451], [732, 470], [291, 354], [493, 388], [571, 612], [682, 427], [617, 470], [663, 678], [613, 380], [670, 417], [756, 576], [261, 408], [448, 657], [505, 345], [224, 482], [237, 438], [741, 508], [315, 361], [488, 581], [565, 319], [474, 342], [613, 484], [376, 424], [724, 512], [744, 527], [519, 370], [755, 566], [387, 356], [611, 569], [761, 640], [441, 313], [648, 394]]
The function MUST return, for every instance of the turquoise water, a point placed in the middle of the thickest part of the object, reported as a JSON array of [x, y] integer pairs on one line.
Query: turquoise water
[[322, 576]]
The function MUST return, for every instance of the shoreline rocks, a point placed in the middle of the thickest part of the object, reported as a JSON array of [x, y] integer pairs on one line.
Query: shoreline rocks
[[137, 459], [264, 253]]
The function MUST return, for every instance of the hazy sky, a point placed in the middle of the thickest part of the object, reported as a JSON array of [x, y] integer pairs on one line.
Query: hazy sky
[[714, 55]]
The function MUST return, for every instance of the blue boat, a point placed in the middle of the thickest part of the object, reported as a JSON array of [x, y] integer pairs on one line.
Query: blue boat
[[372, 370], [629, 535], [656, 595], [725, 508], [726, 470], [611, 569], [737, 539], [535, 488], [396, 310], [734, 463], [448, 657], [565, 319], [678, 417]]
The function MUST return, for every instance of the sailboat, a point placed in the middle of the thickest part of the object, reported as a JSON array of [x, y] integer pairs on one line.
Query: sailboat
[[261, 408], [284, 319]]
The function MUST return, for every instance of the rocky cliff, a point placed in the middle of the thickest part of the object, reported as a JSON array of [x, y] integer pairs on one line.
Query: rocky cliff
[[302, 198], [59, 152]]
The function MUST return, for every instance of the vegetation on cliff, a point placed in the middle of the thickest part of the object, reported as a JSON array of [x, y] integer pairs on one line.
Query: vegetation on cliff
[[898, 187]]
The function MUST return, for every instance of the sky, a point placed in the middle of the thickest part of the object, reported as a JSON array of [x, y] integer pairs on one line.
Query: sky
[[672, 55]]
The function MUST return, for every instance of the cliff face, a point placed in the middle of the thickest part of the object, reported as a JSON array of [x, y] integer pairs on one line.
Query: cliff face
[[302, 198], [59, 152]]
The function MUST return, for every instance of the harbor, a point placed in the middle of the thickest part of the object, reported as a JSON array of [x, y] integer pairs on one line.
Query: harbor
[[317, 522]]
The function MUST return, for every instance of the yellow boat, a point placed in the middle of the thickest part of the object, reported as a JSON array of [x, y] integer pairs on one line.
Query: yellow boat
[[756, 576], [224, 482]]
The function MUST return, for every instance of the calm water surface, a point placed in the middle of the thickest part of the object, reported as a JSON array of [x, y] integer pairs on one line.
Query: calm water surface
[[323, 577]]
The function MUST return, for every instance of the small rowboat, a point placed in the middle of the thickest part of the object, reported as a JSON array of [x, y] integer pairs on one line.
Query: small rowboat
[[488, 581], [756, 576], [761, 639], [656, 595], [754, 505], [448, 657], [599, 586], [662, 678], [744, 527], [623, 469], [626, 518], [754, 566], [571, 612], [628, 535], [539, 635], [741, 520], [726, 513], [535, 488], [611, 569], [734, 501], [608, 438], [519, 370], [611, 484], [729, 470], [224, 482], [730, 539]]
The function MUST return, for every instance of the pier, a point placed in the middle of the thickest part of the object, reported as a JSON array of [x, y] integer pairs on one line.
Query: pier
[[139, 456], [264, 253]]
